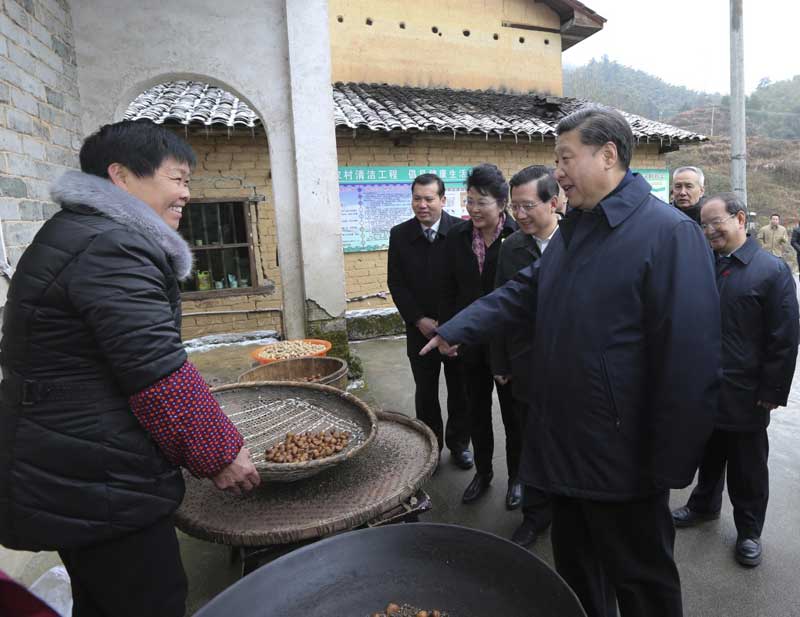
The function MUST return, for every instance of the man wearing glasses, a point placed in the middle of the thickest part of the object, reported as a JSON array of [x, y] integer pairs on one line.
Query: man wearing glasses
[[535, 198], [759, 349]]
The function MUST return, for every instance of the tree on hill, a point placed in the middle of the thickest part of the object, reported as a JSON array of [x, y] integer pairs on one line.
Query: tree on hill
[[632, 90], [772, 110]]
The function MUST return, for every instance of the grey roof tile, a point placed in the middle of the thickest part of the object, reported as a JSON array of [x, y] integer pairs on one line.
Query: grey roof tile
[[386, 108]]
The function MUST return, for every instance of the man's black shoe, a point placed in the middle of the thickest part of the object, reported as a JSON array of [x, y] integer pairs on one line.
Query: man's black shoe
[[748, 551], [686, 517], [478, 486], [514, 495], [463, 459], [525, 534]]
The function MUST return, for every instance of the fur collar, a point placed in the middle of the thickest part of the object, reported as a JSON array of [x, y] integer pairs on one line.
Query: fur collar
[[78, 188]]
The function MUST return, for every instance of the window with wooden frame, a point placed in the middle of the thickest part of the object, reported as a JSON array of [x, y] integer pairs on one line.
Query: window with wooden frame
[[218, 232]]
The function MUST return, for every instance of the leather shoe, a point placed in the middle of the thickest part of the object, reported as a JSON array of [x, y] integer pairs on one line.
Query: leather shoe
[[686, 517], [748, 551], [463, 458], [525, 534], [478, 486], [514, 495]]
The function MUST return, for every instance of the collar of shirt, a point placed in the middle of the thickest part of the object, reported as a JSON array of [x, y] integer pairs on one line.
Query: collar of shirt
[[434, 227], [745, 253], [543, 242], [616, 208]]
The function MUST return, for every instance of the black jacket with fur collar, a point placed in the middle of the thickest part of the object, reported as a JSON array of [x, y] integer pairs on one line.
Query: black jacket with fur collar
[[92, 316]]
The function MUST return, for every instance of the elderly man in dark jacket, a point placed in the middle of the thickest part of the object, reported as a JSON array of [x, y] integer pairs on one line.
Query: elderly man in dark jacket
[[626, 357], [759, 350], [795, 242], [688, 187]]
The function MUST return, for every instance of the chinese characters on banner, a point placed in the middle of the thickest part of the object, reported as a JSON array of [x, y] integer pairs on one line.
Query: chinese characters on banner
[[374, 199]]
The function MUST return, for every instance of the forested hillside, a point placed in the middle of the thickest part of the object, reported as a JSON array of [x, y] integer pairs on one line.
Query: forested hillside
[[632, 90], [773, 128]]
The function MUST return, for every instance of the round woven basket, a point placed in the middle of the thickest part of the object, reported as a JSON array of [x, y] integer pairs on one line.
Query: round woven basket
[[256, 353], [264, 411], [328, 371]]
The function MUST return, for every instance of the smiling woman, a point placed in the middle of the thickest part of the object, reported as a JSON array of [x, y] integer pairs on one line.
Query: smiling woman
[[108, 397]]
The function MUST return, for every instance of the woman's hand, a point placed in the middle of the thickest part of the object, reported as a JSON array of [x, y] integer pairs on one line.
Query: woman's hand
[[240, 476]]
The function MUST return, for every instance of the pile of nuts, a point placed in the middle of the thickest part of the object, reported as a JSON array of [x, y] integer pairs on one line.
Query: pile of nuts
[[395, 610], [289, 349], [308, 446]]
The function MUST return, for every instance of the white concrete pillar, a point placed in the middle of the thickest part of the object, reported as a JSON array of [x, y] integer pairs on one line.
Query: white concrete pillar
[[313, 131]]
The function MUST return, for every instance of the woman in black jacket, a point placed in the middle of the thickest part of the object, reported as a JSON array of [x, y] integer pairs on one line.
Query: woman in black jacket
[[469, 272], [99, 407]]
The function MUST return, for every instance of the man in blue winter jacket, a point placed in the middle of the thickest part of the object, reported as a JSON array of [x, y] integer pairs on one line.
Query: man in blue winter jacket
[[626, 356]]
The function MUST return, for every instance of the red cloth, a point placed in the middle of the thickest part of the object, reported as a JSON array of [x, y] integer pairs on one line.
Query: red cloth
[[187, 423], [16, 601]]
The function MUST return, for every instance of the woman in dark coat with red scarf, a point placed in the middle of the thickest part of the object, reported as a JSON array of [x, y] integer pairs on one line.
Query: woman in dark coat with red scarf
[[469, 271]]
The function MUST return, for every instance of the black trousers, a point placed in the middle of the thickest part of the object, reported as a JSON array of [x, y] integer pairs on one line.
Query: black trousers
[[536, 506], [748, 478], [618, 554], [426, 370], [479, 382], [132, 576]]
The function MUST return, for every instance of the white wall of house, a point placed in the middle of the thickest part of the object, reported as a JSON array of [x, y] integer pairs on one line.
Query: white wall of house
[[273, 54]]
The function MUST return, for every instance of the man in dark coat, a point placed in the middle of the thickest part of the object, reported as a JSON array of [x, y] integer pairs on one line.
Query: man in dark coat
[[688, 190], [796, 243], [626, 361], [535, 198], [416, 252], [759, 350]]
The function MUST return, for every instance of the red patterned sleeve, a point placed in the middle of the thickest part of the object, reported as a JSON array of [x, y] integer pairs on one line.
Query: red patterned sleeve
[[187, 423]]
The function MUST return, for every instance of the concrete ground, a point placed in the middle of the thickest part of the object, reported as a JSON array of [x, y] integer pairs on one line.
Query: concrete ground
[[713, 583]]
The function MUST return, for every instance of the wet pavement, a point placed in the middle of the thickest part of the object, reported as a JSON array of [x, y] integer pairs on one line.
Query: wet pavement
[[713, 583]]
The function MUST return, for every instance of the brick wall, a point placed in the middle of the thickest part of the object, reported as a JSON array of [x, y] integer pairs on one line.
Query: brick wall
[[236, 166], [365, 273], [40, 132]]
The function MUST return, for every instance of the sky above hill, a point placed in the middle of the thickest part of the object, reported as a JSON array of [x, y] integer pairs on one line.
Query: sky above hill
[[687, 42]]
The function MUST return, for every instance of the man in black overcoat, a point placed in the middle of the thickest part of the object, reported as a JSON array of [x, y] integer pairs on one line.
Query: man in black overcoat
[[626, 357], [416, 251], [759, 349], [535, 199]]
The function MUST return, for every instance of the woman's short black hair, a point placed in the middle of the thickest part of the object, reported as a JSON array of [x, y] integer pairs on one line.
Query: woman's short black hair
[[139, 145], [487, 179]]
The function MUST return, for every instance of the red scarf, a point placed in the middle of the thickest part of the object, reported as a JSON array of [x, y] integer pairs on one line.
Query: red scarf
[[479, 245]]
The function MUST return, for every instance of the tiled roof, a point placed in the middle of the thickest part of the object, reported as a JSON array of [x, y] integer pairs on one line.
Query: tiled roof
[[381, 107], [386, 108], [191, 102]]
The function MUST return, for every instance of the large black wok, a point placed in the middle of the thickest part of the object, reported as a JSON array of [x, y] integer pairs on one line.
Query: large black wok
[[465, 572]]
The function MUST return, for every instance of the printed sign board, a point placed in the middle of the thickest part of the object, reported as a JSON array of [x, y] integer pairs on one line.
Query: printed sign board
[[375, 199]]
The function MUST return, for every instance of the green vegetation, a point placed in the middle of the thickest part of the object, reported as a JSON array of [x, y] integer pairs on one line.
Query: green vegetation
[[773, 128], [632, 90]]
